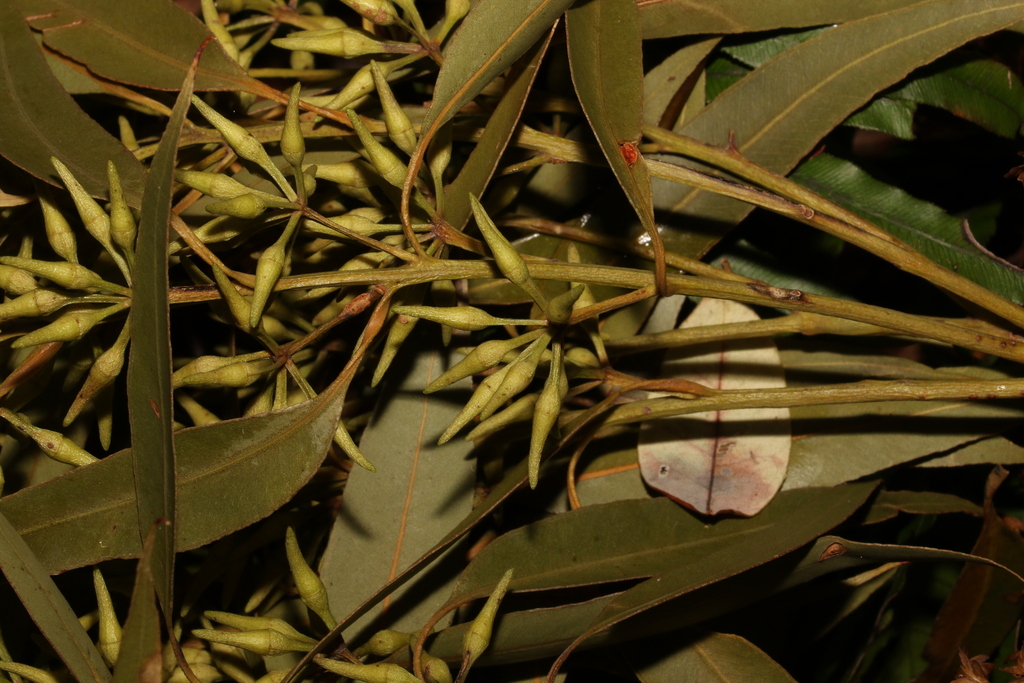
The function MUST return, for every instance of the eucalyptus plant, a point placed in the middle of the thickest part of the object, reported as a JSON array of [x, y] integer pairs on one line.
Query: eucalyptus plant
[[412, 342]]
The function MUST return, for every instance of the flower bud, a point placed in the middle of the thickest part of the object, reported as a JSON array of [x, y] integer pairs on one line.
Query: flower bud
[[344, 441], [478, 636], [275, 676], [359, 85], [127, 134], [212, 20], [481, 358], [293, 147], [58, 231], [454, 10], [435, 670], [560, 307], [233, 376], [311, 588], [401, 327], [16, 281], [96, 221], [247, 206], [122, 223], [339, 42], [30, 673], [582, 357], [38, 302], [461, 317], [368, 673], [68, 327], [390, 167], [211, 363], [380, 12], [245, 145], [205, 673], [400, 128], [383, 643], [520, 374], [199, 415], [269, 267], [53, 444], [213, 184], [244, 623], [509, 261], [351, 173], [110, 628], [439, 155], [264, 642], [520, 411], [66, 275], [476, 402], [236, 303], [103, 372], [545, 414]]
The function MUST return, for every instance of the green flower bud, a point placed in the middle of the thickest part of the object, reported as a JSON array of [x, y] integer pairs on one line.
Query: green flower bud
[[509, 261], [346, 444], [380, 12], [244, 623], [520, 374], [236, 303], [29, 672], [520, 411], [560, 307], [383, 643], [269, 267], [368, 673], [275, 676], [245, 145], [339, 42], [350, 173], [262, 403], [16, 281], [58, 231], [300, 60], [103, 372], [205, 673], [461, 317], [212, 20], [96, 221], [475, 404], [264, 642], [435, 670], [359, 85], [247, 206], [122, 223], [440, 154], [66, 275], [38, 302], [443, 294], [233, 376], [53, 444], [311, 588], [401, 327], [127, 134], [478, 636], [483, 357], [454, 11], [212, 363], [199, 415], [400, 128], [545, 414], [68, 327], [293, 147], [110, 628], [581, 357], [213, 184], [390, 167]]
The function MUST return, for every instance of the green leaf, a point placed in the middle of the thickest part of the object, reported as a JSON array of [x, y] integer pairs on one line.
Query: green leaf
[[606, 60], [30, 579], [923, 225], [479, 167], [667, 18], [994, 450], [886, 115], [89, 515], [703, 656], [140, 645], [982, 91], [837, 443], [663, 83], [150, 45], [418, 493], [794, 521], [40, 120], [492, 36], [888, 504], [150, 405], [780, 111]]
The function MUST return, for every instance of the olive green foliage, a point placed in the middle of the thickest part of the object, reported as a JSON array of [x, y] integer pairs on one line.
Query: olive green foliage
[[423, 341]]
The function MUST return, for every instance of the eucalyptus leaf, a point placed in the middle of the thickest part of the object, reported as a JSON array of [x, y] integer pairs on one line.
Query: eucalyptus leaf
[[40, 120], [888, 504], [140, 650], [693, 656], [663, 83]]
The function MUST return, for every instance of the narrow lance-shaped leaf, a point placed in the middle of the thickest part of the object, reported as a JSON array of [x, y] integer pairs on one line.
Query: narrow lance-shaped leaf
[[40, 120], [723, 461], [152, 45], [419, 492], [31, 581], [702, 656], [150, 406], [605, 56], [780, 111], [140, 658], [479, 167]]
